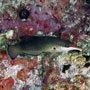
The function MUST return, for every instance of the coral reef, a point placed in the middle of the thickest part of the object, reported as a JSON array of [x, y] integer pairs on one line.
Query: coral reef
[[67, 19]]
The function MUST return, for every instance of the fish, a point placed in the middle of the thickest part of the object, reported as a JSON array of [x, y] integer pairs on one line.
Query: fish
[[35, 45]]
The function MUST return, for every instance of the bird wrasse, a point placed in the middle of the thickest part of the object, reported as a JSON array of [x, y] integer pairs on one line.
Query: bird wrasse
[[35, 45]]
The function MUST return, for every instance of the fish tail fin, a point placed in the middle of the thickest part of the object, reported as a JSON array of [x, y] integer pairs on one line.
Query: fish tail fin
[[12, 51]]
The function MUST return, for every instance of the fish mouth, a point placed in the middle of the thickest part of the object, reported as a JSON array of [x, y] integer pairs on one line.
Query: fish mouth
[[76, 47]]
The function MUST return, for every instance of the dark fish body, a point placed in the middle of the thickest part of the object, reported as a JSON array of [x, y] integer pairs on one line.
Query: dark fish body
[[35, 45]]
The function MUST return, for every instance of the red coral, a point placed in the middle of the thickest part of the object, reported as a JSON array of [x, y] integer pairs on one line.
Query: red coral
[[1, 87], [33, 63], [27, 64], [42, 1], [4, 56], [65, 35], [19, 61], [22, 74], [82, 82], [7, 84], [6, 15], [32, 30], [78, 36]]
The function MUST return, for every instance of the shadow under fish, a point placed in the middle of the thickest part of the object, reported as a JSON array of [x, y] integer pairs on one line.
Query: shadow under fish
[[35, 45]]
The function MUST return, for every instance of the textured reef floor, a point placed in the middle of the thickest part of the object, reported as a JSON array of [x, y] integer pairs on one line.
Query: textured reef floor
[[66, 19]]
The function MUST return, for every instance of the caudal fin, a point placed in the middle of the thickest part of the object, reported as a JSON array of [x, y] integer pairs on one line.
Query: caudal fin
[[12, 51]]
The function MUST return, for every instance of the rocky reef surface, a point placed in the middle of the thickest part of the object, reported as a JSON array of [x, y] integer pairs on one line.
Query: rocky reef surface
[[67, 19]]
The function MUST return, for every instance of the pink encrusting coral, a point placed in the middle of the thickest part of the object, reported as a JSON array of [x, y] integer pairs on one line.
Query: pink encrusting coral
[[71, 15], [38, 21]]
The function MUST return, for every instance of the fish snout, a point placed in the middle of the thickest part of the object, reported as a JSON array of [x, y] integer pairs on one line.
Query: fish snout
[[75, 47], [69, 48]]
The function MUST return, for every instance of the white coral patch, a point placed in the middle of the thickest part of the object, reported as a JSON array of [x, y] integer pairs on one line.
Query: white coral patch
[[9, 34], [73, 2], [12, 71], [33, 80]]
